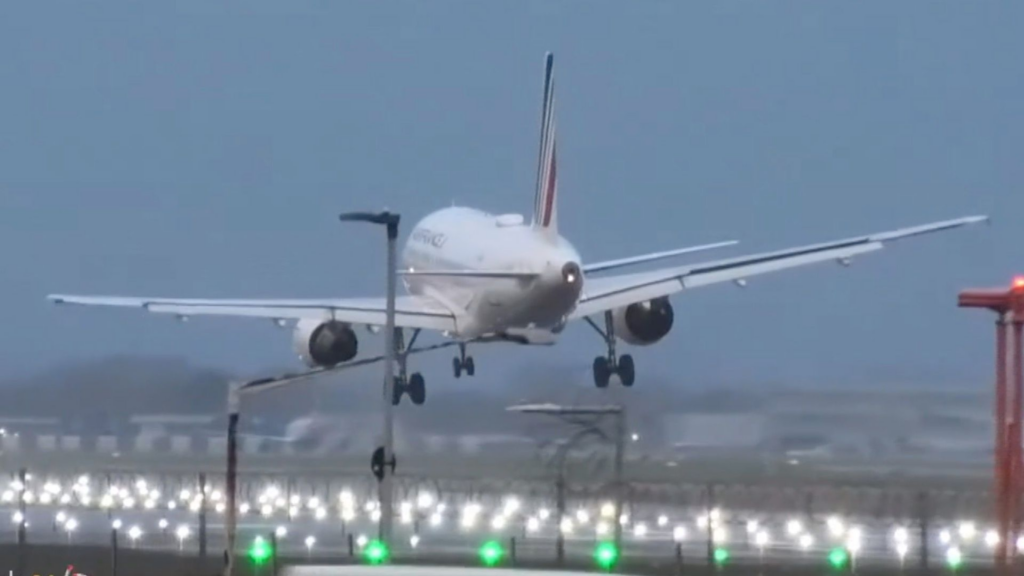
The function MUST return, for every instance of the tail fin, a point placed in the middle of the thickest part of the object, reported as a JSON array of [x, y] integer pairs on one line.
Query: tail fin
[[544, 203]]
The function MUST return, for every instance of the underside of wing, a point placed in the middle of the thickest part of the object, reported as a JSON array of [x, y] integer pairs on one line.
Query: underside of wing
[[410, 311], [601, 294]]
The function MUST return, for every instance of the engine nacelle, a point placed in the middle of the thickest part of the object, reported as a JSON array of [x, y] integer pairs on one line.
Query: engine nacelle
[[321, 344], [643, 323]]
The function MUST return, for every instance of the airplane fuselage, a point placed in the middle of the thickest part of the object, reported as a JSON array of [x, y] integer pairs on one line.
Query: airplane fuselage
[[465, 239]]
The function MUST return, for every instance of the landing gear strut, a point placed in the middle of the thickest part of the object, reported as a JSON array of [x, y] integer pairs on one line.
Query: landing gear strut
[[414, 385], [605, 366], [463, 363]]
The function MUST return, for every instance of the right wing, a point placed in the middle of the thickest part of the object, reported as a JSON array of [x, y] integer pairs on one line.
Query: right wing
[[410, 311], [602, 294]]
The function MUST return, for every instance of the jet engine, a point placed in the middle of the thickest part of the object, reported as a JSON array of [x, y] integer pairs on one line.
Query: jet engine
[[643, 323], [321, 344]]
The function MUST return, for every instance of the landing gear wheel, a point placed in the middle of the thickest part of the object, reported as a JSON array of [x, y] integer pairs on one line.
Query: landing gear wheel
[[397, 389], [463, 363], [417, 389], [626, 370], [602, 372]]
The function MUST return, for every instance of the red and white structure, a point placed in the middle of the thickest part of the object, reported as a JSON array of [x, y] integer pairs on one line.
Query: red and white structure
[[1008, 304]]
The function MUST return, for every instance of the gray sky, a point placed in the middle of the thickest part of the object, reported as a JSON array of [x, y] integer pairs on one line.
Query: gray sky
[[205, 148]]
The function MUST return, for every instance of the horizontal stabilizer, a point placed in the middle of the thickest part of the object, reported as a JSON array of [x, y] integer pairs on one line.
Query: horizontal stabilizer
[[621, 262]]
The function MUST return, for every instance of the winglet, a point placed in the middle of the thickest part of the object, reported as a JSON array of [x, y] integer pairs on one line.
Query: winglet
[[926, 228]]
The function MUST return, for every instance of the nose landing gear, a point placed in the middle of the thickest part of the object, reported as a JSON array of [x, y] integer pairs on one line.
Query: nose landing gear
[[606, 366]]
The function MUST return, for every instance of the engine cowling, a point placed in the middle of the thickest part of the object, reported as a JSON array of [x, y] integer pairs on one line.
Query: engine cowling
[[643, 323], [322, 344]]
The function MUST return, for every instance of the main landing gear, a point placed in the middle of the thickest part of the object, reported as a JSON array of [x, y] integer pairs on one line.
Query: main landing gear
[[463, 363], [606, 366], [414, 386]]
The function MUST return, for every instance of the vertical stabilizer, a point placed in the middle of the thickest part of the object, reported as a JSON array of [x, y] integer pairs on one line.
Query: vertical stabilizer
[[545, 201]]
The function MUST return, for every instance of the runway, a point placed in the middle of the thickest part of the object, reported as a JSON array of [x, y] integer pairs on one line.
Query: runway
[[452, 507]]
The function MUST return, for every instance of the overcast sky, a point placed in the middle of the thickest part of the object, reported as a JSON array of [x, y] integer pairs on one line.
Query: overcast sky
[[204, 149]]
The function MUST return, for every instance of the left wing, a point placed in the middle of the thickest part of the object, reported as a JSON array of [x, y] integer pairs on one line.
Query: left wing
[[410, 311], [601, 294]]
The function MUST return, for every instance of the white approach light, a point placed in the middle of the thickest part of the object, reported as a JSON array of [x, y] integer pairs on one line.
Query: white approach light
[[835, 526], [967, 531], [608, 510], [793, 527], [425, 500]]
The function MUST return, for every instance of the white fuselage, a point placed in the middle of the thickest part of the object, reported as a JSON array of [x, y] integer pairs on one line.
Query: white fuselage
[[464, 239]]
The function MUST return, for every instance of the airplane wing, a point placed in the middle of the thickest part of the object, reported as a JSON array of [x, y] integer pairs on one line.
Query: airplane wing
[[608, 293], [410, 311], [644, 258]]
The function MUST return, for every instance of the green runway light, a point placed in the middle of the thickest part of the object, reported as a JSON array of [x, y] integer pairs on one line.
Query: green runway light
[[259, 551], [606, 554], [954, 558], [491, 553], [376, 552], [838, 557], [721, 555]]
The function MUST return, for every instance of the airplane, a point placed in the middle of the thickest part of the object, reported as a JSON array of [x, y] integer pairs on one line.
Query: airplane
[[475, 277]]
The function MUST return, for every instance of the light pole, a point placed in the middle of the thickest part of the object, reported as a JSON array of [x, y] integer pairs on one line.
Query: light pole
[[238, 390], [390, 221], [620, 442]]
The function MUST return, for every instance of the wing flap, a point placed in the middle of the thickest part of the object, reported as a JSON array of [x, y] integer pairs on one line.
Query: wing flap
[[643, 258], [472, 274]]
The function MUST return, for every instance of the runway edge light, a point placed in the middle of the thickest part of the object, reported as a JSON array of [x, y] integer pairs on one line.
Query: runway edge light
[[837, 558], [606, 555], [260, 551], [376, 552], [491, 553]]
